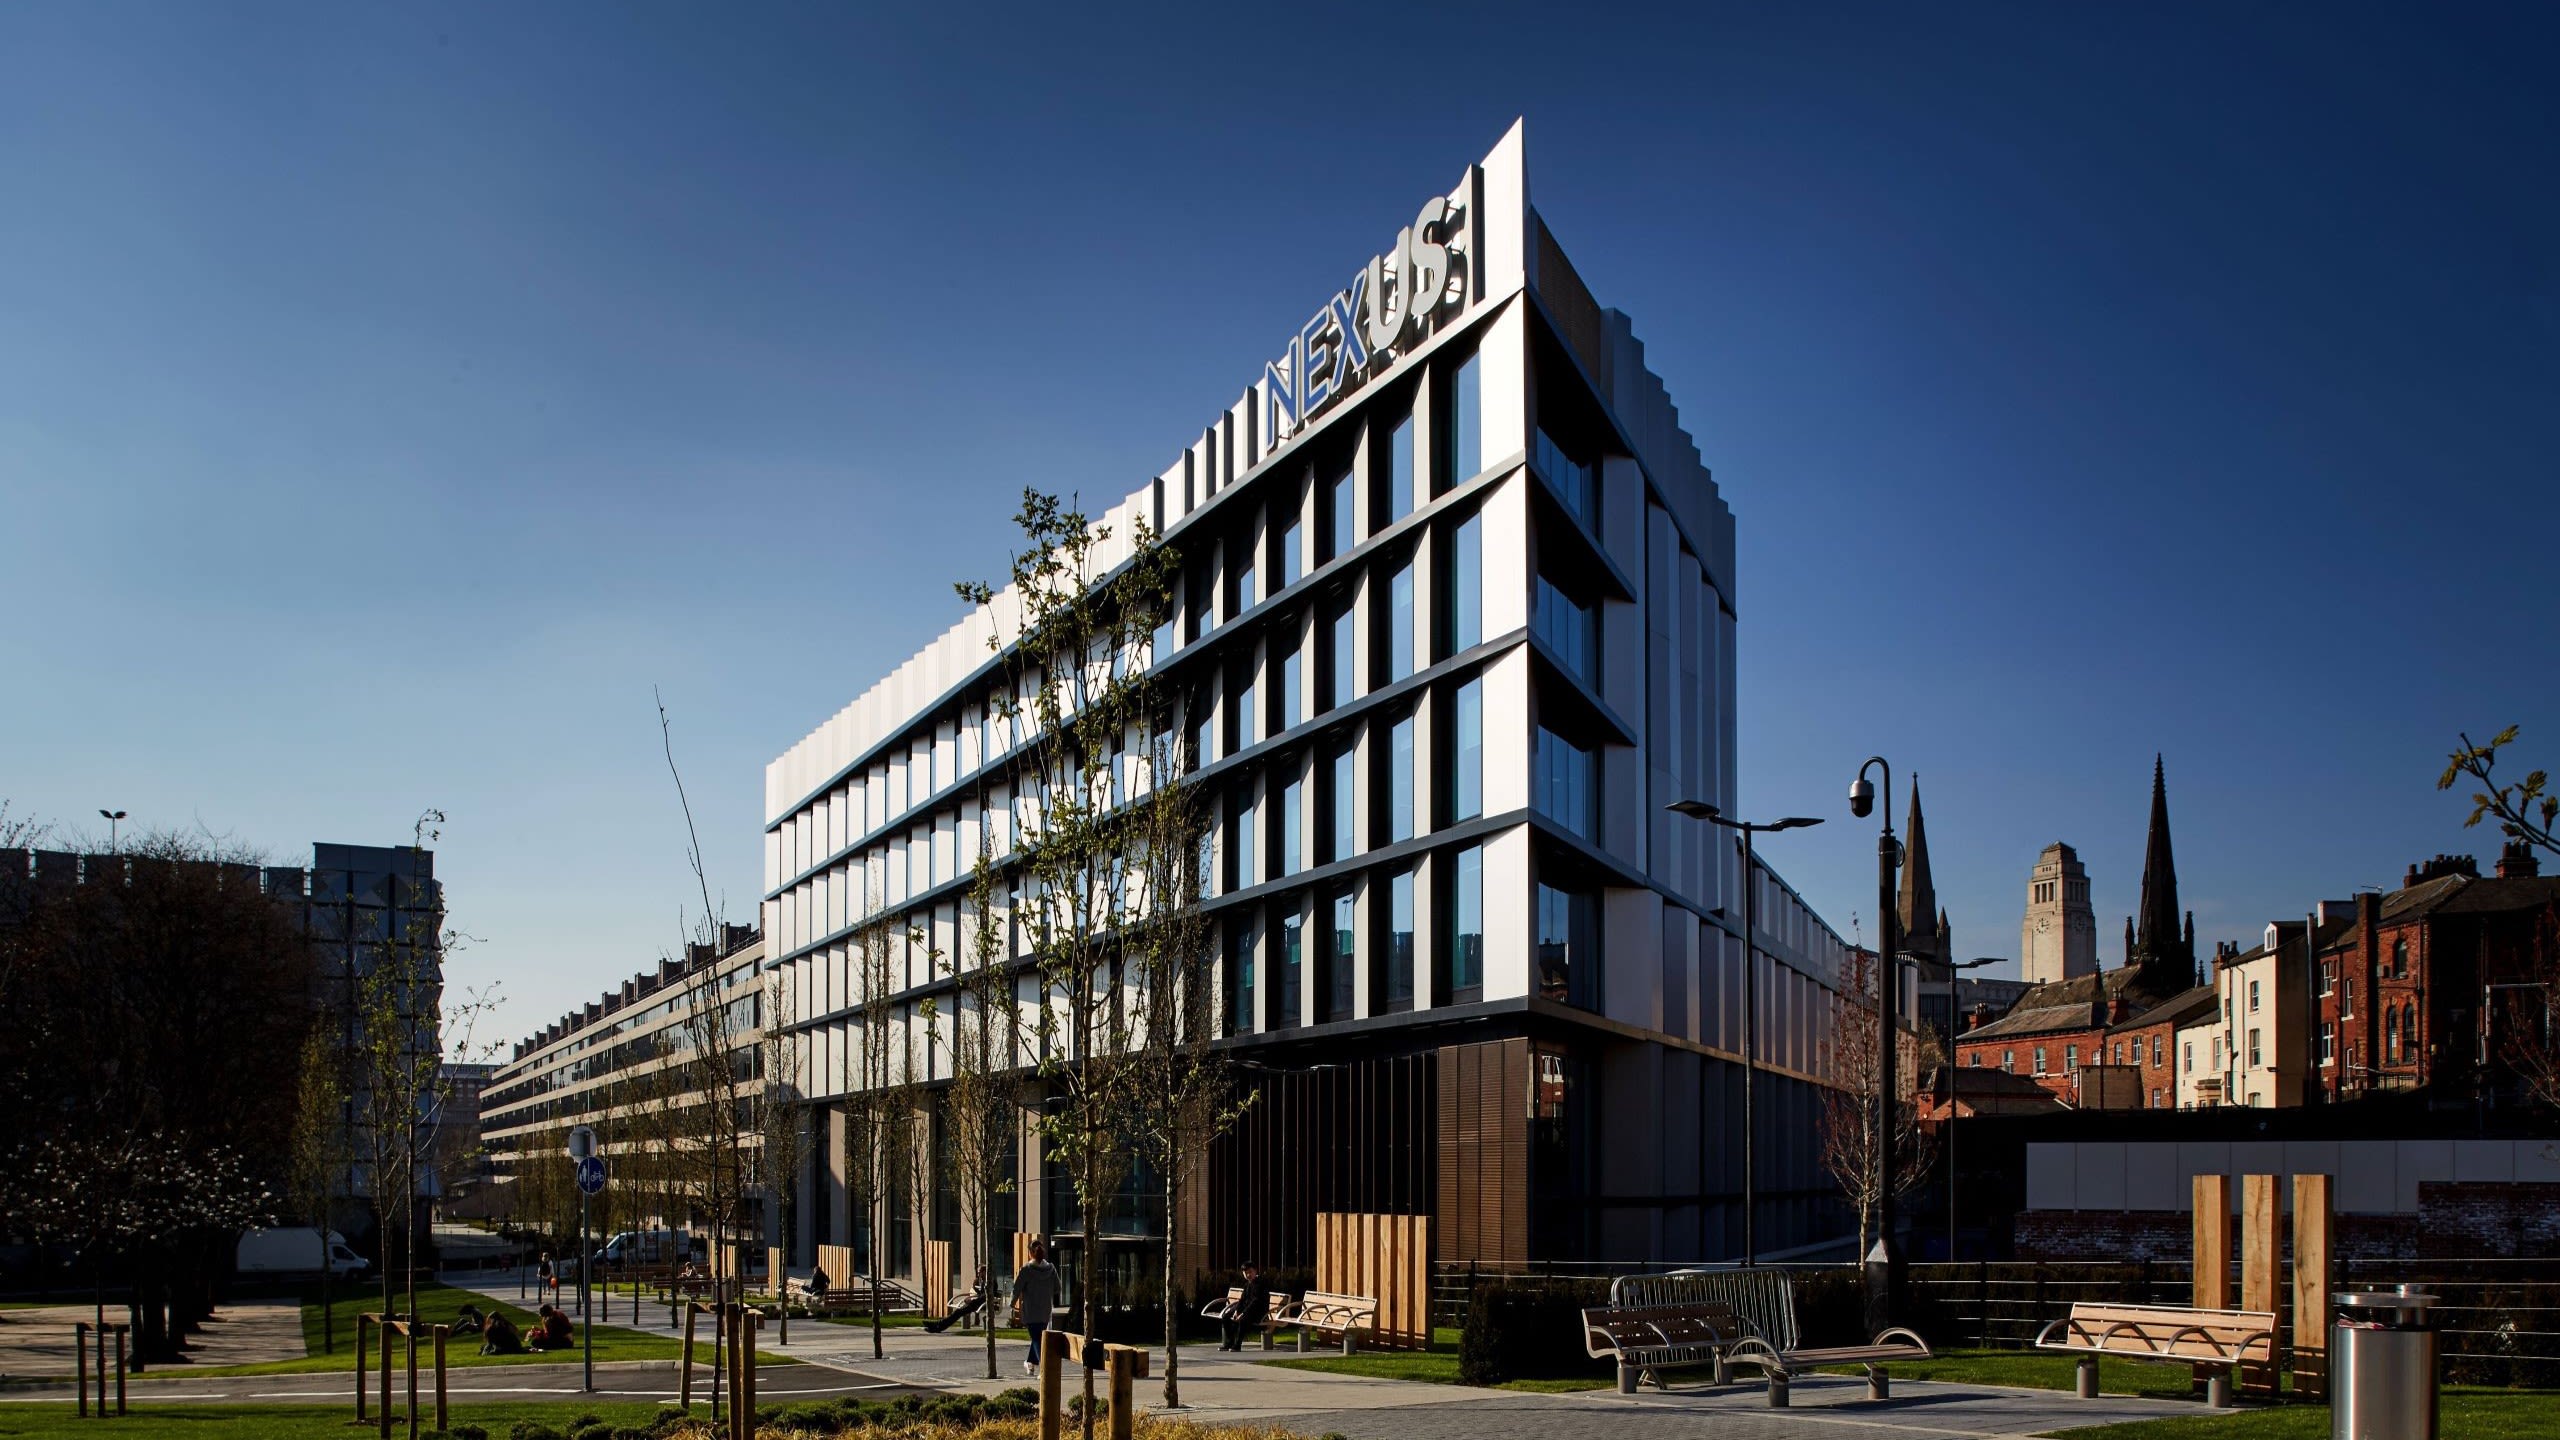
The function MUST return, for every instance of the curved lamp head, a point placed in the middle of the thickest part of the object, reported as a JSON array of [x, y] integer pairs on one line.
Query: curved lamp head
[[1694, 809], [1862, 797], [1797, 822]]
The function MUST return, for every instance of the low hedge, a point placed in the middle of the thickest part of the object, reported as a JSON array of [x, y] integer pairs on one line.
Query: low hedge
[[1527, 1330]]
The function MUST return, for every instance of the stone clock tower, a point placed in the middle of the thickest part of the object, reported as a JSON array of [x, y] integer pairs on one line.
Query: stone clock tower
[[2060, 936]]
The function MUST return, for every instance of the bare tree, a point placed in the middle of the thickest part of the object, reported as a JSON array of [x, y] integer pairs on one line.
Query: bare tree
[[320, 1153], [1079, 701], [983, 1105], [785, 1112], [1182, 1096], [1848, 1138], [879, 1087]]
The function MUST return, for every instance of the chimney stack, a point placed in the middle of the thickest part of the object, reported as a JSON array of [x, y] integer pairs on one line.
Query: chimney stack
[[2518, 862]]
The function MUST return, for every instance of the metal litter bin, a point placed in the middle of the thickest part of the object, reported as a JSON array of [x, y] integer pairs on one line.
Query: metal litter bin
[[2382, 1366]]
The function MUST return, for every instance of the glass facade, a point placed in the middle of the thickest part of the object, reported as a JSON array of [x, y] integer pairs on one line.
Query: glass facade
[[1466, 421], [1566, 784], [1293, 552], [1570, 629], [1466, 925], [1293, 810], [1345, 499], [1345, 801], [1574, 483], [1466, 585], [1241, 941], [1396, 986], [1400, 470], [1400, 814], [1342, 956], [1466, 753], [1400, 621], [1568, 947], [1293, 688], [1293, 929]]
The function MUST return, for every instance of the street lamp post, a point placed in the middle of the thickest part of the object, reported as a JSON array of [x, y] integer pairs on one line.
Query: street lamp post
[[111, 817], [1701, 810], [1884, 1262], [1949, 1064]]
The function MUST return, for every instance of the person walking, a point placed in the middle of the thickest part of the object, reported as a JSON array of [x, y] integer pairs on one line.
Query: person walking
[[1245, 1313], [1035, 1298]]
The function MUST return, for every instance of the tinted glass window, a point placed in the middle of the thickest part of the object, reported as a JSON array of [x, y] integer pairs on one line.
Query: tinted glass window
[[1466, 928], [1466, 753], [1466, 585]]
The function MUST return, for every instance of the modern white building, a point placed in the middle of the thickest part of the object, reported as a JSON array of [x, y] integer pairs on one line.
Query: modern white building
[[1457, 621]]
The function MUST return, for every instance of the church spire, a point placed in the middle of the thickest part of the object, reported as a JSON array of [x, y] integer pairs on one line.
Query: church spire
[[1918, 905], [2158, 935]]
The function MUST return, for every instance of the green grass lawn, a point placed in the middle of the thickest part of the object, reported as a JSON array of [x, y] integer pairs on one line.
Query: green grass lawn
[[2506, 1414], [440, 1304], [293, 1422], [1437, 1365]]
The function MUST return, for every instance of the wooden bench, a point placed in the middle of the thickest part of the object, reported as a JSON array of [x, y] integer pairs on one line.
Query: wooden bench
[[1217, 1310], [1782, 1366], [856, 1298], [1320, 1313], [1647, 1339], [2167, 1334]]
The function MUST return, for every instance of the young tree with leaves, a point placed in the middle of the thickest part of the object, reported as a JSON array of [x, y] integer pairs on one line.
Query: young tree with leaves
[[1072, 637], [320, 1155], [2527, 813], [983, 1105], [785, 1112]]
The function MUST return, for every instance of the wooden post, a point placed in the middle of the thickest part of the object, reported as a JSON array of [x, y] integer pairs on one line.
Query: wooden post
[[363, 1372], [120, 1368], [80, 1362], [2212, 1279], [2261, 1265], [2312, 1221], [409, 1332], [442, 1419], [1053, 1357], [684, 1366], [1124, 1393]]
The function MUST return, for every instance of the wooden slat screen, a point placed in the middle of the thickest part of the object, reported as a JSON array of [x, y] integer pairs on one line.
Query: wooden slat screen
[[937, 1279], [1385, 1256], [837, 1261]]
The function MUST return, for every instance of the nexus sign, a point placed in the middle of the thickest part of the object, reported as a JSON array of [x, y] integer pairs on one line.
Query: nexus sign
[[1388, 307]]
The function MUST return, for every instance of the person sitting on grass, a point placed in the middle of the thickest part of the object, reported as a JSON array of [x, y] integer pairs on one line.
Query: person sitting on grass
[[469, 1321], [554, 1333], [499, 1336]]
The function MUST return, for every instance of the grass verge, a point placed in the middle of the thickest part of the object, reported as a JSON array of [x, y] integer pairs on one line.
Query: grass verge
[[2033, 1371], [291, 1422]]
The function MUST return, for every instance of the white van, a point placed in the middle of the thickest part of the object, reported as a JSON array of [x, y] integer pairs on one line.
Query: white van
[[295, 1250]]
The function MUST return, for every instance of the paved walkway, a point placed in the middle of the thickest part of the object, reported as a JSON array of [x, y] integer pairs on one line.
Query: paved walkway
[[653, 1380], [39, 1342], [836, 1360]]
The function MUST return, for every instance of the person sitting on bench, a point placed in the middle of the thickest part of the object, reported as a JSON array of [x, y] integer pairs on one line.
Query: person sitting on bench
[[499, 1336], [1246, 1315], [970, 1304]]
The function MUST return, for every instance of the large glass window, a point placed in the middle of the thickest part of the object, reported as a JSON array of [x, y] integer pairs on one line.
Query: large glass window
[[1400, 619], [1400, 471], [1342, 952], [1346, 653], [1248, 830], [1293, 552], [1466, 425], [1568, 947], [1570, 629], [1398, 981], [1346, 514], [1293, 808], [1247, 589], [1248, 713], [1466, 925], [1293, 929], [1466, 752], [1567, 783], [1575, 483], [1466, 585], [1346, 801], [1240, 977], [1400, 780], [1293, 688]]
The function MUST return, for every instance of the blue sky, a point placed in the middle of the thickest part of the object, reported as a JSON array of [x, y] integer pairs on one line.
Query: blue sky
[[391, 396]]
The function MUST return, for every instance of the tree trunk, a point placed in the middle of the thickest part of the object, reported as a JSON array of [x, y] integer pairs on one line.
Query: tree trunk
[[987, 1263], [1089, 1309], [1172, 1313]]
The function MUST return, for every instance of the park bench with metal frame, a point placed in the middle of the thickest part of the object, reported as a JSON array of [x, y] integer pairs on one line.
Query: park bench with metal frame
[[2162, 1334], [1270, 1322], [1764, 1306], [1648, 1339], [1319, 1312]]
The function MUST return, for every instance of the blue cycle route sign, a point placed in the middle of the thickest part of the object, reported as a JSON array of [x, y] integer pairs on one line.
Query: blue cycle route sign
[[591, 1175]]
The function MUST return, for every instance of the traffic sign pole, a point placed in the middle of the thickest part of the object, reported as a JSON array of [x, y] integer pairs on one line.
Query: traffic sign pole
[[586, 1283]]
